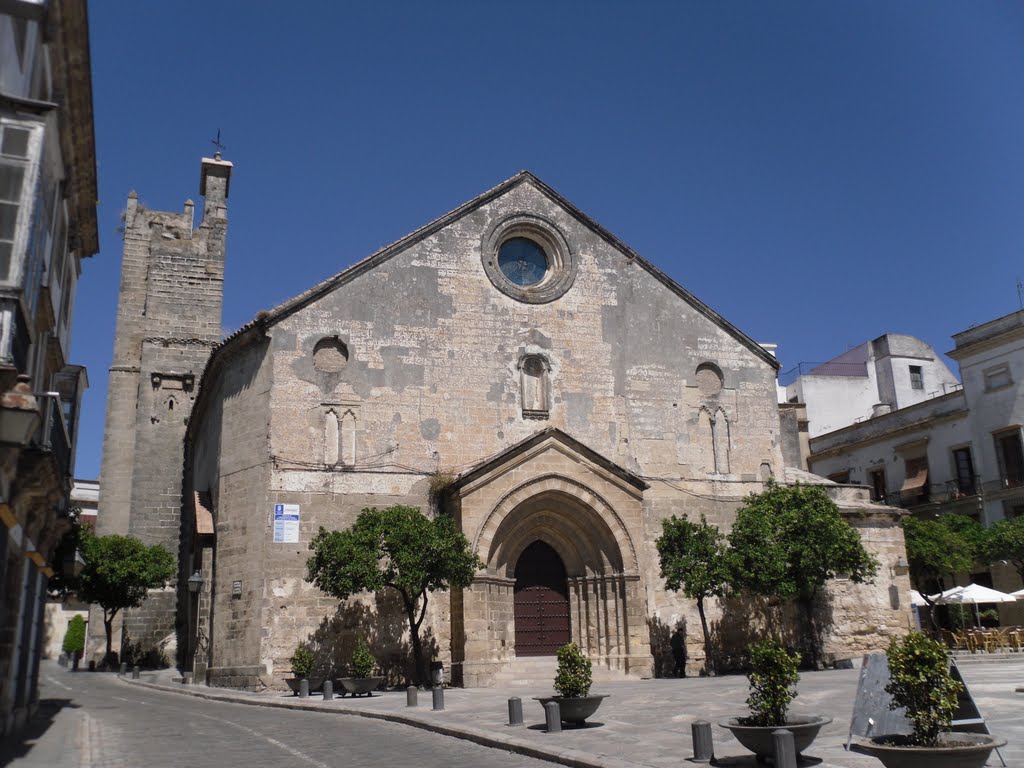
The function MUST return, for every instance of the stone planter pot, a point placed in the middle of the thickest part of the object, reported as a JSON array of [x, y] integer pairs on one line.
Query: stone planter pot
[[575, 711], [295, 682], [359, 686], [758, 738], [897, 753]]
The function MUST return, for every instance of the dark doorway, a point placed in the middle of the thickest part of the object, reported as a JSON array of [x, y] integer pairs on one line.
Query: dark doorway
[[541, 602]]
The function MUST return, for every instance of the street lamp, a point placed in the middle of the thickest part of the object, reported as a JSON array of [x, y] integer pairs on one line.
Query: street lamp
[[19, 413], [195, 582]]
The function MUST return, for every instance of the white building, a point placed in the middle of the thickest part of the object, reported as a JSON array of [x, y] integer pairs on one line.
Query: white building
[[957, 452], [894, 371], [47, 228]]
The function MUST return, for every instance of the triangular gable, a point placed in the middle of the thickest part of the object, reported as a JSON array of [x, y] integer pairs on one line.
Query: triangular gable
[[264, 319], [524, 447]]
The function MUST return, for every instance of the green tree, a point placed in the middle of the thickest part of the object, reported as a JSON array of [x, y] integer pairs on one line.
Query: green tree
[[118, 572], [695, 559], [790, 541], [397, 548], [1005, 541], [74, 638], [938, 548]]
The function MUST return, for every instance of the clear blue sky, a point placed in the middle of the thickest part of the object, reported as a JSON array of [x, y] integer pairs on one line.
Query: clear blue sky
[[819, 173]]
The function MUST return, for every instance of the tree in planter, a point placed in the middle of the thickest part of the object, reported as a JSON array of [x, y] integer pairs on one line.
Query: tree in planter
[[790, 541], [936, 549], [1005, 541], [919, 680], [695, 559], [74, 638], [397, 548], [574, 675], [118, 572], [362, 661], [773, 675], [302, 661]]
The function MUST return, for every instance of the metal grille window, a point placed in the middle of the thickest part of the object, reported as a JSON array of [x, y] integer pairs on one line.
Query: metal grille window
[[916, 377]]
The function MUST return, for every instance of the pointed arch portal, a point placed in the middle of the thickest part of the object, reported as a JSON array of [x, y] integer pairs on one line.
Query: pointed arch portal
[[541, 600]]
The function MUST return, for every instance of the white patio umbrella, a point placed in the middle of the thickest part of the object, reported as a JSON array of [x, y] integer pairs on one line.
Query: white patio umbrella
[[916, 598], [975, 593], [939, 597], [1019, 594]]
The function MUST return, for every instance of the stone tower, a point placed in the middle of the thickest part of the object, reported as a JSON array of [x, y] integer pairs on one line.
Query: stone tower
[[168, 320]]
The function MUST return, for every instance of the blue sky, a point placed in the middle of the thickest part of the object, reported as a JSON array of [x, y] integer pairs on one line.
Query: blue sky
[[818, 173]]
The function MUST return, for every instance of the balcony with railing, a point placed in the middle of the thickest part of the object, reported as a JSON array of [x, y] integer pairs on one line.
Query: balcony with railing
[[960, 490]]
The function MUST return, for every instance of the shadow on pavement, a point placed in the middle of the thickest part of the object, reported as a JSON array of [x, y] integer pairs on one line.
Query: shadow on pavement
[[22, 742]]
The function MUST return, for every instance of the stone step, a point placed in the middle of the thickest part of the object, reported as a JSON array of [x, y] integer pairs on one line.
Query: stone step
[[966, 657], [539, 671]]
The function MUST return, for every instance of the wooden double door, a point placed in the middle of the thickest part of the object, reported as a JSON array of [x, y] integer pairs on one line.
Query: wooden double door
[[541, 602]]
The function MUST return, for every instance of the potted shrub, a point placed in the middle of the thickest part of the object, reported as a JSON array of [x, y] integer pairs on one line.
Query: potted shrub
[[361, 667], [572, 686], [302, 662], [920, 682], [74, 640], [773, 676]]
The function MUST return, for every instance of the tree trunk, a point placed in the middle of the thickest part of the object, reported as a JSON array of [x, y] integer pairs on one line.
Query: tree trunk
[[710, 667], [414, 637], [812, 627], [108, 626]]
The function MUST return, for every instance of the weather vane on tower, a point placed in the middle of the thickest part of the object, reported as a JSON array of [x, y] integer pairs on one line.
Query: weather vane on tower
[[216, 142]]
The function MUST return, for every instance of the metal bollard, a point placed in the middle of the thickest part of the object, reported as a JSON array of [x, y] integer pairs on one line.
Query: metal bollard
[[515, 711], [785, 752], [303, 688], [328, 690], [135, 672], [438, 693], [124, 669], [553, 717], [412, 696], [703, 749]]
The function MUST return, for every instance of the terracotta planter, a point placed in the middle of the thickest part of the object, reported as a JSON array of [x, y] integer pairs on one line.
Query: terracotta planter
[[758, 738], [359, 686], [575, 711], [898, 754]]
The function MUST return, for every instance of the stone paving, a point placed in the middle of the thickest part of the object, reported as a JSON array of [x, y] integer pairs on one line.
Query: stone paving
[[646, 723]]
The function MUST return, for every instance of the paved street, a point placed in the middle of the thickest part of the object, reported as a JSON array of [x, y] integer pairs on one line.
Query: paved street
[[96, 720]]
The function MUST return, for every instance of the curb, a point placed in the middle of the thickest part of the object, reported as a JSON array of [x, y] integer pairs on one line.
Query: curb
[[569, 757]]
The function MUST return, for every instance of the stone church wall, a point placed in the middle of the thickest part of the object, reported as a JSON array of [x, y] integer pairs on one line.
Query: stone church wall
[[415, 367]]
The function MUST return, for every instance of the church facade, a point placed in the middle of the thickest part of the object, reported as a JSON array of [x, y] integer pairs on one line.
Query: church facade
[[517, 366]]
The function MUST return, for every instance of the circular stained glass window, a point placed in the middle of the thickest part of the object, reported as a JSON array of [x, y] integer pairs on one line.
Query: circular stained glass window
[[522, 261]]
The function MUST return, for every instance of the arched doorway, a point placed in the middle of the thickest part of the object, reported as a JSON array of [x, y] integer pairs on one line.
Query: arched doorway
[[541, 602]]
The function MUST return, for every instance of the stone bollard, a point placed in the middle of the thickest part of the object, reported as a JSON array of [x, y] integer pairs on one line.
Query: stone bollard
[[304, 688], [703, 749], [553, 717], [438, 693], [186, 678], [785, 752], [135, 672], [515, 711], [328, 690], [124, 669], [412, 696]]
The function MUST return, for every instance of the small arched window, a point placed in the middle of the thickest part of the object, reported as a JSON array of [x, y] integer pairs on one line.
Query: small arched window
[[534, 385]]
